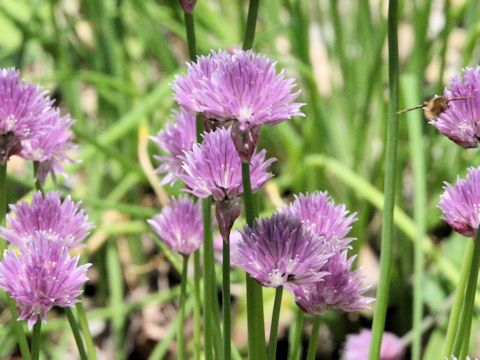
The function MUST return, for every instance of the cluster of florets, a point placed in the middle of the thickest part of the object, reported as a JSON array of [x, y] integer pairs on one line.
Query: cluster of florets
[[233, 93], [31, 126], [304, 247], [42, 274]]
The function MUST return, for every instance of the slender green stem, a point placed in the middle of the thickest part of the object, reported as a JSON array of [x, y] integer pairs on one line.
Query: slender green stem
[[76, 333], [217, 331], [87, 335], [255, 319], [38, 184], [3, 202], [18, 328], [410, 91], [272, 344], [251, 24], [197, 305], [390, 177], [192, 51], [467, 313], [465, 345], [208, 269], [227, 315], [36, 338], [312, 345], [458, 302], [190, 30], [296, 336], [183, 293]]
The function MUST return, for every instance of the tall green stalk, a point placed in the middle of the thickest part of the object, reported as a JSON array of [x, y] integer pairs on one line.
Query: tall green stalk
[[272, 343], [296, 336], [208, 271], [458, 302], [409, 86], [463, 337], [192, 52], [227, 315], [313, 343], [36, 338], [38, 184], [190, 31], [255, 318], [251, 24], [183, 293], [76, 333], [3, 202], [17, 326], [197, 328], [390, 177], [87, 335]]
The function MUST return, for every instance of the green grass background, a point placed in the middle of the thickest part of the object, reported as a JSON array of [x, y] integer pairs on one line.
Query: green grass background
[[110, 64]]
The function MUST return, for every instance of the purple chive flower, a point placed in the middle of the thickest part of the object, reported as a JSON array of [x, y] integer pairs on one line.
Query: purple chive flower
[[246, 87], [188, 5], [187, 87], [319, 213], [214, 168], [460, 203], [341, 289], [42, 276], [51, 146], [357, 346], [460, 122], [278, 251], [180, 226], [179, 135], [24, 111], [242, 88], [46, 214]]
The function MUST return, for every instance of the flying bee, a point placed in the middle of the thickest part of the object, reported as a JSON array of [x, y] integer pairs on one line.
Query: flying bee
[[434, 107]]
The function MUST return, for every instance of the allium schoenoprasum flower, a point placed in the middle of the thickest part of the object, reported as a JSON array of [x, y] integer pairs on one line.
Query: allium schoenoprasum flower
[[62, 221], [51, 146], [188, 5], [42, 276], [340, 289], [240, 88], [460, 203], [180, 226], [319, 213], [24, 112], [178, 135], [460, 122], [188, 87], [279, 251], [357, 346], [213, 168]]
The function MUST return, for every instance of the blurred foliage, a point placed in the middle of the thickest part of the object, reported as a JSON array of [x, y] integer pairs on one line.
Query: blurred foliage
[[110, 62]]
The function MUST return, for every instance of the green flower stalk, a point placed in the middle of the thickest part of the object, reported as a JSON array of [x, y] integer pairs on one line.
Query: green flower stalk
[[390, 176], [256, 326], [36, 338]]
